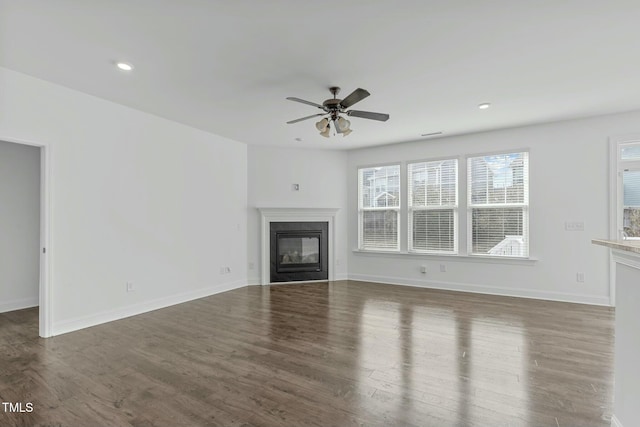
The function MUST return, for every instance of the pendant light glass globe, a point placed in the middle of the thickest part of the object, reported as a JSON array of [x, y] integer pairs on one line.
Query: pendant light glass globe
[[343, 124], [322, 125]]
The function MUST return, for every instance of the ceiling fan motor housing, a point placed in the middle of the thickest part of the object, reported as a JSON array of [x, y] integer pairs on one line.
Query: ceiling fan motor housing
[[331, 104]]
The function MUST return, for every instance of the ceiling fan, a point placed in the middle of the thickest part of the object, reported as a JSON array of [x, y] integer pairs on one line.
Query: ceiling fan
[[333, 108]]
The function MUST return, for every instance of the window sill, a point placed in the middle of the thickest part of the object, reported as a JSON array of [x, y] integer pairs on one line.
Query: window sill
[[445, 257]]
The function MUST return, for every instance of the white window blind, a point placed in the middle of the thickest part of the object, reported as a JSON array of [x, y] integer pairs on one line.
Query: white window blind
[[379, 207], [498, 204], [631, 204], [433, 206]]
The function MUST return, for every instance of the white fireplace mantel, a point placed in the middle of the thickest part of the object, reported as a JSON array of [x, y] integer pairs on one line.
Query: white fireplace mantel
[[269, 215]]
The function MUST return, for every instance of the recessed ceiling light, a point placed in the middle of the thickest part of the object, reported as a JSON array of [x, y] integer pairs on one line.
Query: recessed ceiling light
[[124, 66], [484, 106]]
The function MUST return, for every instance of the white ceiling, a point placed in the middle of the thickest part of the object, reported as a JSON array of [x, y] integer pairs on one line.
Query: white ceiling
[[226, 66]]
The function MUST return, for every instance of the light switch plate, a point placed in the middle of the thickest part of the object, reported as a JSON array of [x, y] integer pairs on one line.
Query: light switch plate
[[574, 225]]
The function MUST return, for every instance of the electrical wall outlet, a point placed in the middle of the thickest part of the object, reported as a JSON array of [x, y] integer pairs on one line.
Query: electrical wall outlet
[[130, 287], [423, 269], [443, 268], [580, 277]]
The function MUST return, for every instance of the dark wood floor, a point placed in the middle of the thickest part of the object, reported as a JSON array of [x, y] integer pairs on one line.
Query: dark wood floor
[[340, 354]]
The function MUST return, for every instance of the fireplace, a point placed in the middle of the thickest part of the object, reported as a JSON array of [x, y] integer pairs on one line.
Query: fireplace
[[297, 215], [298, 251]]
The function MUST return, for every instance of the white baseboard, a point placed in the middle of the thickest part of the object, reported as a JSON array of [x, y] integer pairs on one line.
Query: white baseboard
[[482, 289], [70, 325], [615, 422], [256, 281], [18, 304]]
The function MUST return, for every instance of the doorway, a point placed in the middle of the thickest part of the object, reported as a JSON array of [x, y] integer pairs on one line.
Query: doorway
[[24, 220]]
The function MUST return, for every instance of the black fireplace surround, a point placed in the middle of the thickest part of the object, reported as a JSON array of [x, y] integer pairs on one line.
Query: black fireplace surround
[[299, 251]]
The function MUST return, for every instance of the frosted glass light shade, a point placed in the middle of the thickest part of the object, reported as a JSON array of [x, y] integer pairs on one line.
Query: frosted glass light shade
[[343, 123], [322, 125]]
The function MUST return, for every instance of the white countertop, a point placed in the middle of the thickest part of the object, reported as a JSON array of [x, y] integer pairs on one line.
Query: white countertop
[[621, 245]]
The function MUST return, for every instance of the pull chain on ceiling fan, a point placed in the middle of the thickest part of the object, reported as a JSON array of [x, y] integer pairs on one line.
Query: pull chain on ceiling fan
[[333, 108]]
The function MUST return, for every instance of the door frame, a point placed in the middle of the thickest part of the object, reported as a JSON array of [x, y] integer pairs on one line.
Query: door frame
[[45, 285]]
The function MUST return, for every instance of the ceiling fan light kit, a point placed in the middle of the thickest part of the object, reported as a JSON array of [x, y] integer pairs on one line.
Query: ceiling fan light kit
[[342, 124], [334, 107], [322, 124]]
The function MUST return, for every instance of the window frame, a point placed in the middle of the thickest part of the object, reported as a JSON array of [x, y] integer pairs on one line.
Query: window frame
[[411, 208], [524, 205], [362, 209], [618, 166]]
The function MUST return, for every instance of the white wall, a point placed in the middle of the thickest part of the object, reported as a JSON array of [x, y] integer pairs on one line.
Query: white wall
[[134, 197], [322, 176], [19, 226], [569, 182]]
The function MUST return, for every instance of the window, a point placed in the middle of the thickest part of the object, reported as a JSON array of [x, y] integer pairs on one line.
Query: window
[[379, 207], [628, 207], [631, 204], [498, 205], [630, 151], [433, 206]]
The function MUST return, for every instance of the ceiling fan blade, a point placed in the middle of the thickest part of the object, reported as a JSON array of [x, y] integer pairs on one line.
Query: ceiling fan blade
[[313, 104], [368, 115], [305, 118], [355, 96]]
